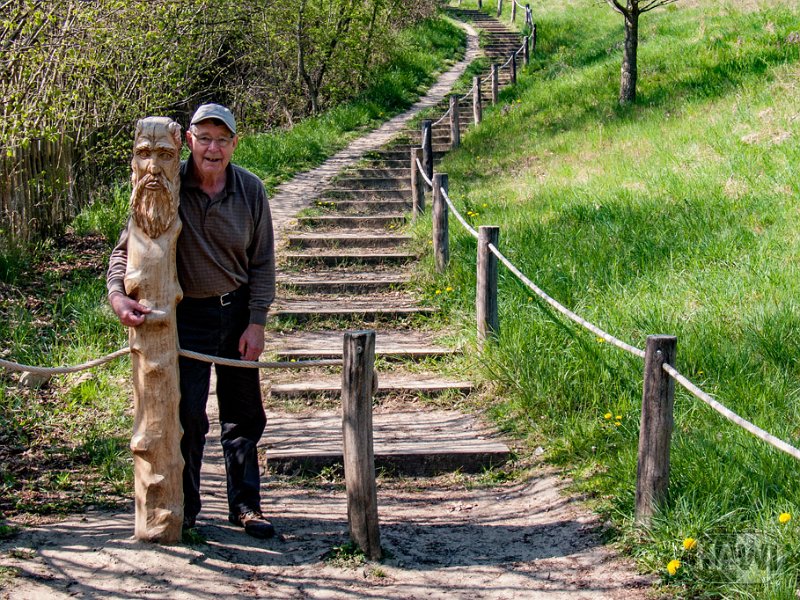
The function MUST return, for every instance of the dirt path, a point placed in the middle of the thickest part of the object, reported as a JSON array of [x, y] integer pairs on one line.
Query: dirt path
[[447, 537]]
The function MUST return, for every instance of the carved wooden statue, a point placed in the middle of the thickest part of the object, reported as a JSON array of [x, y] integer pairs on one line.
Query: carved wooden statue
[[152, 280]]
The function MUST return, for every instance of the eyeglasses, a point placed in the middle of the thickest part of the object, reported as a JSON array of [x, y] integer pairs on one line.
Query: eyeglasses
[[204, 140]]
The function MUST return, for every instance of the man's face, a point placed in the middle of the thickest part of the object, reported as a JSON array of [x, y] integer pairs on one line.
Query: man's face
[[212, 147], [156, 158]]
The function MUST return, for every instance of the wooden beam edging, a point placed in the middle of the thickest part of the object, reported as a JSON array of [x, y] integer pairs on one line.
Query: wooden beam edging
[[655, 430], [417, 183], [441, 241], [486, 292], [358, 386]]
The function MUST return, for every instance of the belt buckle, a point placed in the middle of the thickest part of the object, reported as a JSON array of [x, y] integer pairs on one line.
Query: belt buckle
[[223, 301]]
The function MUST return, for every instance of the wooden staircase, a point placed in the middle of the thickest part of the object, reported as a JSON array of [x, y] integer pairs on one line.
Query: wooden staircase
[[346, 266]]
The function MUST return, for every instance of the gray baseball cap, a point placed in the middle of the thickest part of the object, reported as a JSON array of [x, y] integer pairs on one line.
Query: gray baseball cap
[[215, 111]]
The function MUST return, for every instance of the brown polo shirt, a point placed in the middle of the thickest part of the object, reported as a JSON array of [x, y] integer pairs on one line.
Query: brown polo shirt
[[226, 241]]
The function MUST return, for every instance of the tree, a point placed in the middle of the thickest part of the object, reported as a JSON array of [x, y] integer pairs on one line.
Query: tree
[[631, 11]]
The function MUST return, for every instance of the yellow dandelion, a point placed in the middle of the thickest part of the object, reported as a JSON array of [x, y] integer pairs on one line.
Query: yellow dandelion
[[617, 424], [689, 543], [438, 291], [619, 417], [484, 205], [673, 566], [784, 518], [600, 340], [448, 289], [607, 416]]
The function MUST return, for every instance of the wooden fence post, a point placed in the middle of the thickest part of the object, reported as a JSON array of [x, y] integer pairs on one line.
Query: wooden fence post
[[417, 183], [359, 459], [441, 240], [513, 11], [480, 3], [499, 7], [655, 431], [495, 84], [526, 51], [455, 124], [477, 111], [513, 68], [427, 148], [528, 16], [486, 293], [533, 38]]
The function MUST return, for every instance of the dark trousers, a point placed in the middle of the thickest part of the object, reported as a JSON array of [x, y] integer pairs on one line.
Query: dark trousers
[[208, 327]]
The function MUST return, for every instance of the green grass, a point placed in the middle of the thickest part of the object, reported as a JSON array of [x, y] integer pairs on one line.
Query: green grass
[[418, 53], [677, 215]]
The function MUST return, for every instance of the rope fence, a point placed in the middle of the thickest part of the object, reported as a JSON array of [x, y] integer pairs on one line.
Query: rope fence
[[230, 362], [658, 357]]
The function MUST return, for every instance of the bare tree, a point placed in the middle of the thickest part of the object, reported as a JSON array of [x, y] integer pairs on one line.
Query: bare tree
[[630, 10]]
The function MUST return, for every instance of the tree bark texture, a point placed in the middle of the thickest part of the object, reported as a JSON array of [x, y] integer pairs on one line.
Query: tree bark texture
[[627, 88]]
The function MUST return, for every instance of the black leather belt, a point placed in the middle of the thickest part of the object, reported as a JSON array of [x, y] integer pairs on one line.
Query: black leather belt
[[224, 300]]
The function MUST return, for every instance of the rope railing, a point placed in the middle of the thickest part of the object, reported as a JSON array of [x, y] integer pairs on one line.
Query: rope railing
[[442, 118], [458, 216], [468, 94], [424, 176], [563, 309], [730, 415], [230, 362]]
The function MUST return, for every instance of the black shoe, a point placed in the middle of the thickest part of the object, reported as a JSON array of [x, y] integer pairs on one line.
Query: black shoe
[[189, 522], [254, 524]]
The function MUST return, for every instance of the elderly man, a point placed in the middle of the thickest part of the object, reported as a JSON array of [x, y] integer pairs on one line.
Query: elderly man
[[226, 268]]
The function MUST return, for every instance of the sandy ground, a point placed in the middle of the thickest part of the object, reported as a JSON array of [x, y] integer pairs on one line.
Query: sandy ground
[[443, 537]]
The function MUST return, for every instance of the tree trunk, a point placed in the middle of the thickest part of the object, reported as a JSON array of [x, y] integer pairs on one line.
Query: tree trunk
[[627, 88]]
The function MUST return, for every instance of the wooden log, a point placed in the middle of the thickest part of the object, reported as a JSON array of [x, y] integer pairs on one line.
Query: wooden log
[[151, 279], [455, 126], [358, 384], [495, 83], [513, 68], [500, 7], [427, 148], [514, 11], [441, 240], [655, 431], [526, 51], [417, 183], [477, 111], [486, 292]]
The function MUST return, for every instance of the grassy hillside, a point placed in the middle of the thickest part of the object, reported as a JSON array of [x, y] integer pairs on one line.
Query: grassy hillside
[[678, 216]]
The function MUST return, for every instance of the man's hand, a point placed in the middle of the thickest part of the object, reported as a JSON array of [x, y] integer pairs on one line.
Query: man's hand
[[251, 344], [128, 310]]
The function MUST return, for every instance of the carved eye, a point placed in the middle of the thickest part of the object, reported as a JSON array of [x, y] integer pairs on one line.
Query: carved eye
[[143, 153], [165, 155]]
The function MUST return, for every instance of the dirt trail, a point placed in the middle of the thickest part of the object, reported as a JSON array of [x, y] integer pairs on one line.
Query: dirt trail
[[447, 537]]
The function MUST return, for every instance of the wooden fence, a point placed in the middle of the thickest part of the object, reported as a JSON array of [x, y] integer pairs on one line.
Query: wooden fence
[[38, 190]]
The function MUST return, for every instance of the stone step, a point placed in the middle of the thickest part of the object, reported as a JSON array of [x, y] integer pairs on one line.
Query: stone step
[[412, 443], [348, 221], [393, 173], [349, 256], [394, 344], [347, 239], [388, 385], [404, 155]]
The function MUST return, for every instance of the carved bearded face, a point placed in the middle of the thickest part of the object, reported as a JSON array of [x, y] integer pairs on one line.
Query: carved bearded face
[[156, 174]]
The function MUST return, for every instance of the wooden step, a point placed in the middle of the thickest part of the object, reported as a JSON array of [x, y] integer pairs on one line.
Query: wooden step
[[342, 282], [390, 344], [408, 443], [347, 239], [370, 221], [388, 385], [353, 182], [355, 194], [350, 256], [365, 207], [363, 309]]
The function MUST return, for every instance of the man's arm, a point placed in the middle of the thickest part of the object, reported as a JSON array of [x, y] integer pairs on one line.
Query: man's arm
[[129, 312]]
